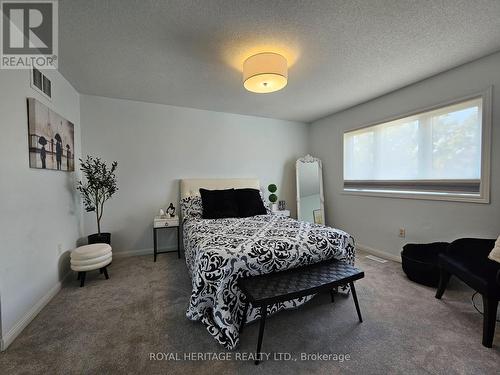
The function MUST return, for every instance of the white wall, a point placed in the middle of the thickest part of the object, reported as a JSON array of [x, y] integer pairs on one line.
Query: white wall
[[374, 221], [39, 208], [156, 145]]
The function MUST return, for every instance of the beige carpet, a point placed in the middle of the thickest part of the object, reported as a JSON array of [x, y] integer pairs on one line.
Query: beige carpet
[[112, 326]]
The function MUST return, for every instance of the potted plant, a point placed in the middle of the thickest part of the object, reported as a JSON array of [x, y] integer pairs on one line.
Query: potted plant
[[100, 185], [273, 198]]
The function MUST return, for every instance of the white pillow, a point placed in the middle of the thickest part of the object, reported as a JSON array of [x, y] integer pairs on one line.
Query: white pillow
[[495, 253]]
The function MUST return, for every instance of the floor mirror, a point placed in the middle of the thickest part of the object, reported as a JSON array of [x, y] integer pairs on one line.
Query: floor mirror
[[310, 206]]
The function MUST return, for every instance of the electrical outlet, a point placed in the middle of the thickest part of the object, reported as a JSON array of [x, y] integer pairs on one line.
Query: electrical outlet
[[402, 232], [59, 249]]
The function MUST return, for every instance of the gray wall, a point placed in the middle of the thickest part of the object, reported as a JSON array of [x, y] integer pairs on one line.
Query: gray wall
[[156, 145], [39, 208], [374, 221]]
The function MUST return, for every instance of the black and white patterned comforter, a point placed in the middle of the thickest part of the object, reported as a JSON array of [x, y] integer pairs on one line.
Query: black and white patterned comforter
[[220, 251]]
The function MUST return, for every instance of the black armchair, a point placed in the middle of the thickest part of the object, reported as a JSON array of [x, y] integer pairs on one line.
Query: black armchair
[[467, 259]]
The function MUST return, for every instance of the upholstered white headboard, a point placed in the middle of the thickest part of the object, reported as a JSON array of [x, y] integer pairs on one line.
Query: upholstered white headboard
[[191, 186]]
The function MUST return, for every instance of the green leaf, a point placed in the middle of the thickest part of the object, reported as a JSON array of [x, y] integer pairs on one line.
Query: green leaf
[[100, 184]]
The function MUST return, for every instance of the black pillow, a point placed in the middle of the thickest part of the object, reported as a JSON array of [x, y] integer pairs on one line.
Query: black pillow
[[249, 202], [218, 204]]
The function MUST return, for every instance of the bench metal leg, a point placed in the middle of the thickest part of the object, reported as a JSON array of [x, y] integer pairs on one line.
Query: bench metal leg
[[332, 294], [263, 313], [355, 298], [105, 271], [155, 244], [244, 319], [179, 242]]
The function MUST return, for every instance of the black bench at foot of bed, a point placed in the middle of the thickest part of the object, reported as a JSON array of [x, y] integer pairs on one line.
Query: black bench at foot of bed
[[264, 290]]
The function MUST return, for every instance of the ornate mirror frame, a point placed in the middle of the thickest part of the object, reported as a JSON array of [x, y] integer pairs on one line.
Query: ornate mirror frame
[[310, 159]]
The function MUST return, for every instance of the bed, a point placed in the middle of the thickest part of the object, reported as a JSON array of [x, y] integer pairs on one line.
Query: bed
[[220, 251]]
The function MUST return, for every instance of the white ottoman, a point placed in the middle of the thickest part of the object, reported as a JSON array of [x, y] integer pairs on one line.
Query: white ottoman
[[91, 257]]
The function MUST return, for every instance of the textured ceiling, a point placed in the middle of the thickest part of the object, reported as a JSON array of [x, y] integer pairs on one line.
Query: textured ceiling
[[189, 53]]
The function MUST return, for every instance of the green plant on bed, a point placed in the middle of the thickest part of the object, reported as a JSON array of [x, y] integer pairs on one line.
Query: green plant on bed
[[273, 198]]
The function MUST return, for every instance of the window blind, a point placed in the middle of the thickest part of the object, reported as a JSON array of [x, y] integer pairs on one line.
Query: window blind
[[437, 151]]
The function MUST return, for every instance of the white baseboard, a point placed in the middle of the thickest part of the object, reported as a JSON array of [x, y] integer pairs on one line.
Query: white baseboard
[[379, 253], [138, 252], [132, 253], [10, 336]]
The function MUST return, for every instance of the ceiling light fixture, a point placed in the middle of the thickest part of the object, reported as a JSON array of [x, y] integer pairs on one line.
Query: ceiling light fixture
[[265, 72]]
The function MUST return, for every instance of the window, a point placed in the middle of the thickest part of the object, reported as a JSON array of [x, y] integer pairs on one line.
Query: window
[[441, 153]]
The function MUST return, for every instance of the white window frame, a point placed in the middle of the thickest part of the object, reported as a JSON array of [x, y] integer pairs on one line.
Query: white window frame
[[484, 194]]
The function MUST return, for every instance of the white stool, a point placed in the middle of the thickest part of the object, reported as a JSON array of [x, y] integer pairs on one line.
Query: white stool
[[91, 257]]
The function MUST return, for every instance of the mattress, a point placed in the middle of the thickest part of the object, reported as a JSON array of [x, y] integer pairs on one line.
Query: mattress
[[220, 251]]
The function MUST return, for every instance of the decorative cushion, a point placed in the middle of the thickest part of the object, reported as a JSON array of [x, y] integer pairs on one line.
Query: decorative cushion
[[495, 253], [90, 251], [219, 204], [249, 202], [191, 207], [268, 209]]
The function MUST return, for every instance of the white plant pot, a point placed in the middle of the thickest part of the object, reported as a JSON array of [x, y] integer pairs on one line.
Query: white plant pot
[[274, 207]]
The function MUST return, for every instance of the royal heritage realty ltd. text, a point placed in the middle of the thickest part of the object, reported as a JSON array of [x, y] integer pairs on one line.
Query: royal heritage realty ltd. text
[[248, 356]]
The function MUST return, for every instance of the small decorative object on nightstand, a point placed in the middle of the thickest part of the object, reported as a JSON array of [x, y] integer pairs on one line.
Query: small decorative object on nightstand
[[162, 222], [272, 188], [171, 210], [281, 205], [285, 213]]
